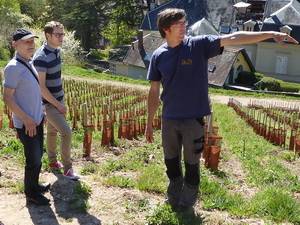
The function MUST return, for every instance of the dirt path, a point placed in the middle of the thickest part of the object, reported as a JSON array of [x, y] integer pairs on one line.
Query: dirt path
[[245, 100], [107, 205]]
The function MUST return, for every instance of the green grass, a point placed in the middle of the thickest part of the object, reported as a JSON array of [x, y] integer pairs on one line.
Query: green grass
[[89, 168], [164, 215], [277, 205], [152, 179], [256, 154], [78, 71], [119, 181], [150, 174], [12, 147], [79, 201], [216, 196]]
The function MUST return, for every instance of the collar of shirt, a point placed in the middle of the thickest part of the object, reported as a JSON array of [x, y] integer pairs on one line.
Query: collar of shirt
[[51, 49], [18, 56]]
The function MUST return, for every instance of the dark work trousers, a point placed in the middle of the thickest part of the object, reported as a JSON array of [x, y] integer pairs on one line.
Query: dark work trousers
[[186, 134], [33, 150]]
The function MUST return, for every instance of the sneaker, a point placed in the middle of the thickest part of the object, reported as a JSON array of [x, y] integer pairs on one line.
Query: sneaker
[[43, 188], [71, 175], [56, 165], [37, 199]]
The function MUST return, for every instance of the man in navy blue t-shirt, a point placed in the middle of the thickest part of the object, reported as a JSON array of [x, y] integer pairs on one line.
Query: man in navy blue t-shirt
[[180, 65]]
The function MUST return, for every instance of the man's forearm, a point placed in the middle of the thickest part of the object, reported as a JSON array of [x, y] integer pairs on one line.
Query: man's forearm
[[153, 103], [49, 97], [246, 37]]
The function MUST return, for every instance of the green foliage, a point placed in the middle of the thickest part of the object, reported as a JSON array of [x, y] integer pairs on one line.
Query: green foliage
[[162, 215], [17, 187], [10, 19], [111, 166], [4, 53], [14, 5], [214, 196], [258, 76], [13, 148], [152, 178], [87, 18], [119, 181], [288, 156], [71, 49], [89, 168], [118, 33], [35, 9], [272, 84], [2, 64], [246, 78], [276, 204], [289, 87], [123, 22], [82, 192]]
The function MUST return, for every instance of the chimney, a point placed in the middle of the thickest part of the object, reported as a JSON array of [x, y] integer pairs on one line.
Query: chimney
[[140, 39]]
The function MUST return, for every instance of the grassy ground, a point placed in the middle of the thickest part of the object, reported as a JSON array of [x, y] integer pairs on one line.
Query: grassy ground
[[140, 167]]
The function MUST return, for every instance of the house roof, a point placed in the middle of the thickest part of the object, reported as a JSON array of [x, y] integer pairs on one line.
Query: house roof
[[215, 10], [141, 57], [295, 33], [273, 6], [119, 53], [203, 26], [219, 67], [288, 14]]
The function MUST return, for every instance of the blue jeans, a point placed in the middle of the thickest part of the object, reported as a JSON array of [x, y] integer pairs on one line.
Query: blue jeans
[[33, 150]]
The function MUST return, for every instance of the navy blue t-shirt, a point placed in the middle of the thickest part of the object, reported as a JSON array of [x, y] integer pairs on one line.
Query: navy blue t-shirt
[[183, 73]]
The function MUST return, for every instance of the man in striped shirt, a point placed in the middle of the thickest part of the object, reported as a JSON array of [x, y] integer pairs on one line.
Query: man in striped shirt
[[47, 62]]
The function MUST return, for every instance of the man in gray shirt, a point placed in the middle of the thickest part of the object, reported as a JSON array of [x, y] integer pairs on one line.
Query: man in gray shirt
[[23, 96]]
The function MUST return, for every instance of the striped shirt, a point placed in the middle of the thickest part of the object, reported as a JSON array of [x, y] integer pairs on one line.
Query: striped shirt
[[47, 59]]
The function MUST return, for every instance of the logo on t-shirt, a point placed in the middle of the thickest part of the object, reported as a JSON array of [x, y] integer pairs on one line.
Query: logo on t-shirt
[[186, 62]]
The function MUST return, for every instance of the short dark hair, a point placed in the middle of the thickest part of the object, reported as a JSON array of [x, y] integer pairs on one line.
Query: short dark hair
[[49, 27], [168, 17]]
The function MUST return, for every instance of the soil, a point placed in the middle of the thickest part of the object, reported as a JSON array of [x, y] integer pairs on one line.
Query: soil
[[108, 205]]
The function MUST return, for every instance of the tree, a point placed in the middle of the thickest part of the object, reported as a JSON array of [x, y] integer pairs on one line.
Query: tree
[[118, 33], [10, 20], [34, 9], [123, 22]]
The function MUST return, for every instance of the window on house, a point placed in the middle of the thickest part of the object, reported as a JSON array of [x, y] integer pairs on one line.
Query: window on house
[[249, 54], [281, 64], [112, 68], [211, 68]]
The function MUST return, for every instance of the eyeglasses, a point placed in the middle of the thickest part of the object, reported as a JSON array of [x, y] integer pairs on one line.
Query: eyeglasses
[[180, 23], [58, 35]]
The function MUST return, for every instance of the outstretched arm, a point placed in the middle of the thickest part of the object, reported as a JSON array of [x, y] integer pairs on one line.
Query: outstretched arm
[[248, 37]]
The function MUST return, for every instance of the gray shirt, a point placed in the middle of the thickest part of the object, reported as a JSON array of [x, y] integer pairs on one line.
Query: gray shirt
[[27, 91]]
